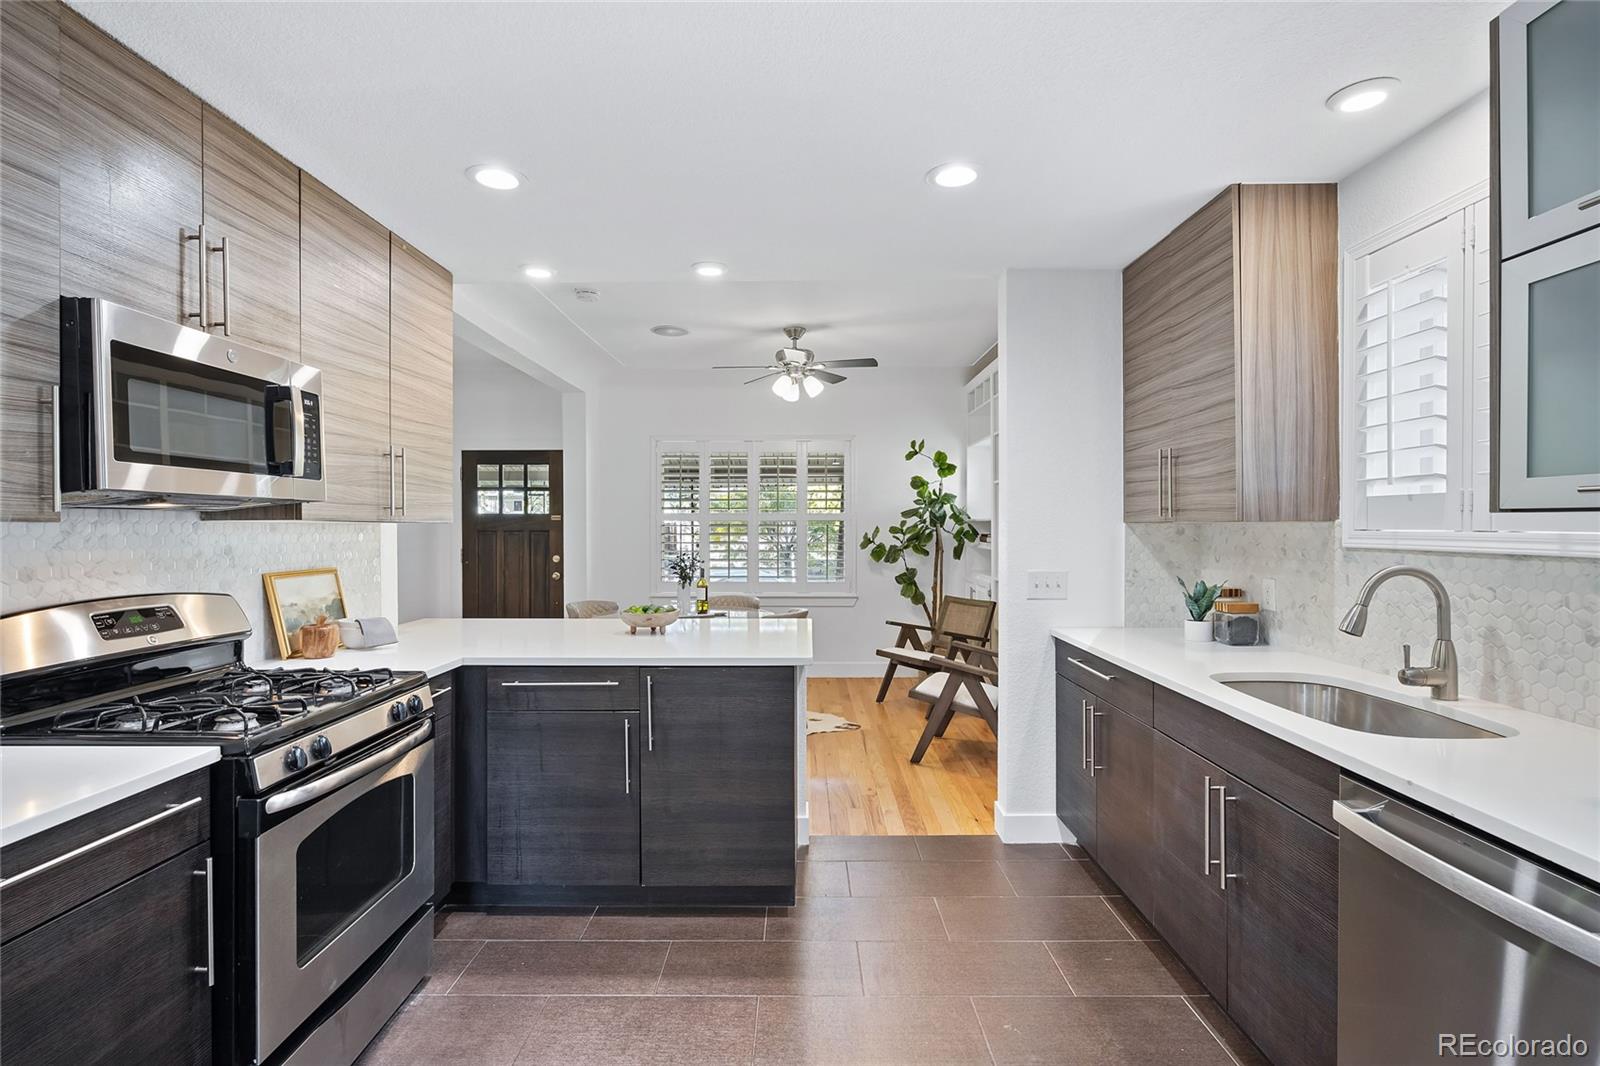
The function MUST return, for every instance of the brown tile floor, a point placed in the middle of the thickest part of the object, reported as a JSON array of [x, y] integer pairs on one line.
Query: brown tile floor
[[925, 951]]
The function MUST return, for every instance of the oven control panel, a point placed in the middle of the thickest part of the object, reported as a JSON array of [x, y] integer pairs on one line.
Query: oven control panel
[[136, 622]]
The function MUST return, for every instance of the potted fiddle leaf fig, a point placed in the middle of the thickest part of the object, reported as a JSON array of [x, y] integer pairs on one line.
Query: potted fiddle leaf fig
[[1196, 628], [933, 517]]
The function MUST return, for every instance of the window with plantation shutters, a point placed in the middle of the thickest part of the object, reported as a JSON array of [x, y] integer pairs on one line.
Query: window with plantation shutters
[[763, 516]]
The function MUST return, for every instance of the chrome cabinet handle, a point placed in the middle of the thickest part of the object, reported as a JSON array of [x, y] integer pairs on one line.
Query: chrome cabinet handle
[[442, 691], [650, 712], [34, 871], [1094, 743], [389, 455], [210, 968], [53, 492], [1083, 734], [1593, 201], [403, 478], [208, 322], [1223, 876], [559, 684], [1589, 488], [1085, 666], [627, 760], [201, 314], [1205, 832], [1161, 483]]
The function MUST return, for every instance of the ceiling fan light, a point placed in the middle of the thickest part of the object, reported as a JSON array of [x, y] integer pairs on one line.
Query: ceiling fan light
[[786, 388], [814, 386]]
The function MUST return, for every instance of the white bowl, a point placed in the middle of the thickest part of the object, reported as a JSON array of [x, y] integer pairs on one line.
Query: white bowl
[[658, 620]]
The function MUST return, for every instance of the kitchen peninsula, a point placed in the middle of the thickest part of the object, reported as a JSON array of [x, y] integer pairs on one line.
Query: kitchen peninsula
[[576, 763]]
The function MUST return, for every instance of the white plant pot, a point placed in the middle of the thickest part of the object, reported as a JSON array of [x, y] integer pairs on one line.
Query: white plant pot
[[1196, 632], [685, 600]]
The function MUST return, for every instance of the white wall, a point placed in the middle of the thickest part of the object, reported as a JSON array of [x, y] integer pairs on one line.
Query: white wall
[[1060, 469], [496, 406], [879, 410], [1445, 158]]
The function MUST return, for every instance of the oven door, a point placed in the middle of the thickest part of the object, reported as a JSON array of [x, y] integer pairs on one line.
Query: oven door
[[180, 412], [343, 862]]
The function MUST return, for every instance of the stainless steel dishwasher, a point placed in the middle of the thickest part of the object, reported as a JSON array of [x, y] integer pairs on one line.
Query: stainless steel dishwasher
[[1451, 946]]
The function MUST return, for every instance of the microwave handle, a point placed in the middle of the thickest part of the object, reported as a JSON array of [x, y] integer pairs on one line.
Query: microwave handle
[[275, 395]]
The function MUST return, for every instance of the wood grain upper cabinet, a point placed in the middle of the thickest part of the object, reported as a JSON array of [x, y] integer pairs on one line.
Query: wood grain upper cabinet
[[130, 177], [252, 215], [420, 383], [344, 332], [30, 257], [1230, 362]]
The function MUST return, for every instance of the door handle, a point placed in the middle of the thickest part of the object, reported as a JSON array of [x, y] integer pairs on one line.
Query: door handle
[[442, 691], [210, 968], [404, 477], [650, 712], [559, 684], [207, 322], [1223, 876], [84, 849], [389, 455], [1094, 755], [1593, 201], [1083, 734], [203, 302], [53, 491], [1085, 666], [1205, 832], [627, 760]]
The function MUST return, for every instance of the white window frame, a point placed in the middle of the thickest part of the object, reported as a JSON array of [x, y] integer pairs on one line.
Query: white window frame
[[800, 591], [1477, 530]]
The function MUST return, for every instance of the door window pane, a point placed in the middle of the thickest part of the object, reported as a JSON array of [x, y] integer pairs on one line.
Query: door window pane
[[350, 860], [728, 551], [1564, 373], [776, 551], [488, 502], [779, 482], [825, 550]]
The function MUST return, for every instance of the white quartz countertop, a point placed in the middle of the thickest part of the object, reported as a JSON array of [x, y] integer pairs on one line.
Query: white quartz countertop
[[438, 645], [45, 785], [1538, 787]]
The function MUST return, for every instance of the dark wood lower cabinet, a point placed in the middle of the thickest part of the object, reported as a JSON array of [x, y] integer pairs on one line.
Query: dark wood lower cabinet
[[120, 979], [1225, 852], [444, 782], [563, 797], [1190, 908], [717, 776], [1121, 751], [1074, 782], [1283, 928]]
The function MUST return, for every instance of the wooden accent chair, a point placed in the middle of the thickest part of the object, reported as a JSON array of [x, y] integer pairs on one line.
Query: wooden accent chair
[[734, 601], [969, 683], [591, 609], [960, 619]]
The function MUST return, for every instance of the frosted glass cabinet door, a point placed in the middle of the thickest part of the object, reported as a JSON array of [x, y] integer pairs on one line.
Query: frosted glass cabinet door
[[1549, 426], [1548, 109]]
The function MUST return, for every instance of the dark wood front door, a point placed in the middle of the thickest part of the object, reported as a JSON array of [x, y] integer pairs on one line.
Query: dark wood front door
[[511, 534]]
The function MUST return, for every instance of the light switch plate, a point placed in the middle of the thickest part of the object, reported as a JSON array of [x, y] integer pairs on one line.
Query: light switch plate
[[1047, 584]]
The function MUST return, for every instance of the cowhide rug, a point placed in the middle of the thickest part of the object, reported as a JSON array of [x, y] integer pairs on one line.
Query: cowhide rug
[[823, 722]]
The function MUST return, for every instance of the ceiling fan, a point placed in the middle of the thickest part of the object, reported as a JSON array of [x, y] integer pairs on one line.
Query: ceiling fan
[[793, 368]]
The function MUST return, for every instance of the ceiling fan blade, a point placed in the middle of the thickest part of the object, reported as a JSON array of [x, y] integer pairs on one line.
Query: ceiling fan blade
[[850, 362], [763, 377], [745, 366], [831, 379]]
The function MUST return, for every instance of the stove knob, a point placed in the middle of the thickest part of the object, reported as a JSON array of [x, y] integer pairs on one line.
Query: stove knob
[[321, 747], [295, 758], [415, 705], [397, 713]]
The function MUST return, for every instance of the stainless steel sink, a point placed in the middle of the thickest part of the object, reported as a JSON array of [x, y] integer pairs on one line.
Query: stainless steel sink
[[1350, 709]]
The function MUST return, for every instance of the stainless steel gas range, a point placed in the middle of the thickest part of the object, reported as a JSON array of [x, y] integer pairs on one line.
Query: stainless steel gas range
[[322, 804]]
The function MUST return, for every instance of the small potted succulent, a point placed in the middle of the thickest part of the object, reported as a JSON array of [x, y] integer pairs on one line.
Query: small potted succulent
[[1196, 628], [683, 567]]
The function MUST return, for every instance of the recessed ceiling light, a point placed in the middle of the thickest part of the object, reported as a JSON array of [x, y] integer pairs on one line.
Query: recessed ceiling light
[[952, 175], [710, 270], [1363, 95], [538, 273], [494, 177], [669, 331]]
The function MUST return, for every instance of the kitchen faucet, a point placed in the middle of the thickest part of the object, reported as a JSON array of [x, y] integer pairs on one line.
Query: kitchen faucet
[[1440, 675]]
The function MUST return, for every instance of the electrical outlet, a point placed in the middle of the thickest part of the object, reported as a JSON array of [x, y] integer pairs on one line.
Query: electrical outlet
[[1047, 584], [1269, 594]]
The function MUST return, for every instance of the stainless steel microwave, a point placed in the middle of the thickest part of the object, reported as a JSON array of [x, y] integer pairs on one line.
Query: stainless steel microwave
[[157, 414]]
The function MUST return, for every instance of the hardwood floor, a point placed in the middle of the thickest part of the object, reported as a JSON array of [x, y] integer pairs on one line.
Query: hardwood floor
[[862, 782]]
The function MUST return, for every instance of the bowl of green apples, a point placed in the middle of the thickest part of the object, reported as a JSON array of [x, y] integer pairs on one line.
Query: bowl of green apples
[[651, 617]]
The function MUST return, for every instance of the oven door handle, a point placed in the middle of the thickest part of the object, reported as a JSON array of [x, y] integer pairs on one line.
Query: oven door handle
[[296, 797]]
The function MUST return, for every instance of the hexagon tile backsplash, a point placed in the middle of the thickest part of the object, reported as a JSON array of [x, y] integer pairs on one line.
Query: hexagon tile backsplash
[[94, 553], [1526, 628]]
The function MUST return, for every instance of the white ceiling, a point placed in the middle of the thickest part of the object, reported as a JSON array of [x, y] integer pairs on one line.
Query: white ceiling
[[789, 141]]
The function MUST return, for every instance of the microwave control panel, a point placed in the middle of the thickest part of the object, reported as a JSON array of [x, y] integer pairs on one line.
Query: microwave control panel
[[311, 408]]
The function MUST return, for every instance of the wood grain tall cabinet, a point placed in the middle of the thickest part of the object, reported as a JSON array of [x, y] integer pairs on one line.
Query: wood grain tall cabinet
[[344, 332], [1231, 362], [30, 257], [420, 383]]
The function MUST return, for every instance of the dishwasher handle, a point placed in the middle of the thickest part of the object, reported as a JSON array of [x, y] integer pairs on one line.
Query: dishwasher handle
[[1519, 912]]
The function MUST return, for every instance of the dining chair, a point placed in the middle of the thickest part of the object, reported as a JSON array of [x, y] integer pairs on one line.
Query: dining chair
[[591, 609], [959, 618], [789, 612], [968, 682], [736, 601]]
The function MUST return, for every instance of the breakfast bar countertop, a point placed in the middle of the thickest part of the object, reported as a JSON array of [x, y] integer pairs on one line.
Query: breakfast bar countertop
[[1537, 786], [439, 645]]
